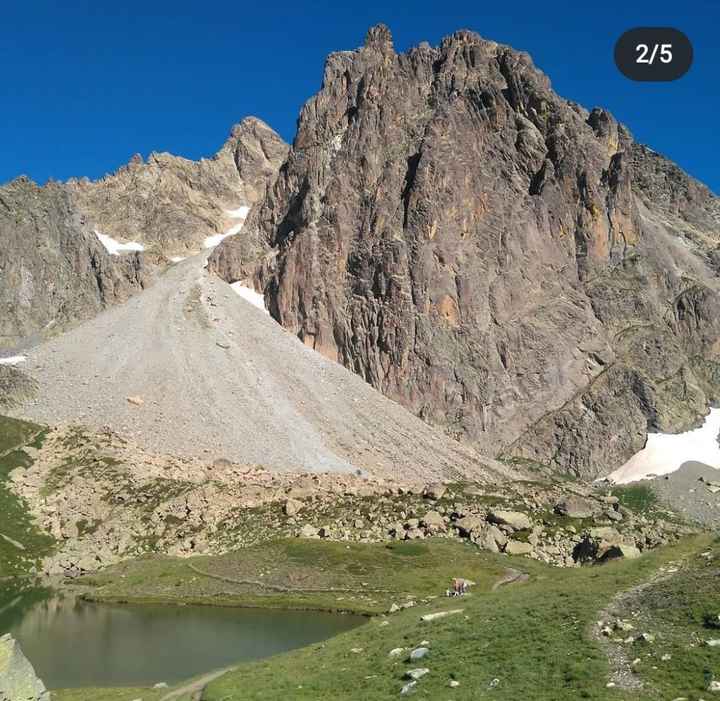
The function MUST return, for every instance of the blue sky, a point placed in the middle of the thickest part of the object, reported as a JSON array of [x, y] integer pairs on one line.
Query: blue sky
[[83, 87]]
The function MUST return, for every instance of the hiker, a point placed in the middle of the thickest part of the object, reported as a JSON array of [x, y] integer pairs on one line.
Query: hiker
[[460, 586]]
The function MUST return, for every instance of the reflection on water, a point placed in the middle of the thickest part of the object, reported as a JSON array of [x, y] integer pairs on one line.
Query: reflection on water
[[74, 643]]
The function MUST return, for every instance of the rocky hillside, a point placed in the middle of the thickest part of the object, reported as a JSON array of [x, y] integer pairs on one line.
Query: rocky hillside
[[171, 204], [191, 368], [52, 268], [503, 262], [102, 499]]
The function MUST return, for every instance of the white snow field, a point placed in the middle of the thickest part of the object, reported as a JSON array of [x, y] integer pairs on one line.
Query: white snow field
[[115, 248], [249, 295], [665, 453], [13, 360]]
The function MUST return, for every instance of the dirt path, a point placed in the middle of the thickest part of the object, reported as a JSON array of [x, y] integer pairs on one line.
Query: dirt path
[[511, 576], [215, 374], [619, 662], [193, 690], [285, 589]]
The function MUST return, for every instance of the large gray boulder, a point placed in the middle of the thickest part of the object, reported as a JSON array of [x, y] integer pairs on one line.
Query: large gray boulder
[[18, 681], [515, 519], [574, 506]]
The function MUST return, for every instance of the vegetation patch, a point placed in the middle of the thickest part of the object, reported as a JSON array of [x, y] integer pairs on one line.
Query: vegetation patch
[[682, 614], [639, 498], [361, 578], [22, 543]]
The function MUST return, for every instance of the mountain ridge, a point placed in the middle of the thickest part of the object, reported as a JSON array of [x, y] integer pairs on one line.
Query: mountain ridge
[[55, 269]]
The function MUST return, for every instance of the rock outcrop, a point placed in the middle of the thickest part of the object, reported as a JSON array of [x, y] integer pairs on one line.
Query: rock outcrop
[[18, 681], [171, 204], [53, 269], [501, 261]]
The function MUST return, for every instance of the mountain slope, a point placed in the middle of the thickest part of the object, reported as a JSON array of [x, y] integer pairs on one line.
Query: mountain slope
[[188, 367], [506, 264]]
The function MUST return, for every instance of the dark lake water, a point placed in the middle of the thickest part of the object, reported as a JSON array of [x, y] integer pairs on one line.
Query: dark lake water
[[72, 643]]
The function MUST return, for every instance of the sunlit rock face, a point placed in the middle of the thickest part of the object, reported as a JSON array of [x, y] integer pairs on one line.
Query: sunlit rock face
[[505, 263]]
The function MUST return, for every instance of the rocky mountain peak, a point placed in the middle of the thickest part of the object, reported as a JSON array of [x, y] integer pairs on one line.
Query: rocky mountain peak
[[379, 38], [498, 259]]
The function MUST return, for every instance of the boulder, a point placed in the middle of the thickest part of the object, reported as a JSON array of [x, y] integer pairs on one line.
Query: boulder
[[630, 552], [490, 538], [408, 688], [468, 524], [515, 519], [308, 531], [434, 491], [414, 534], [516, 547], [18, 681], [416, 674], [433, 521], [292, 507], [574, 506], [606, 534]]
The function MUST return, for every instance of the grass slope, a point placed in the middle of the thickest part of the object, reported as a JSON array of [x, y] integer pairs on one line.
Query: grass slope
[[532, 638], [304, 574]]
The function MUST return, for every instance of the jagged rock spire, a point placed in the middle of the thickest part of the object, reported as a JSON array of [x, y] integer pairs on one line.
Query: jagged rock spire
[[379, 37]]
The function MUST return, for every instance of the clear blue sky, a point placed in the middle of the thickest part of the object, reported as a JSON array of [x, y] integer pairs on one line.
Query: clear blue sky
[[85, 85]]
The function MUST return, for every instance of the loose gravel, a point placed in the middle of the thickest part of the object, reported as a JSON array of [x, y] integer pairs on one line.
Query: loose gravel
[[208, 373]]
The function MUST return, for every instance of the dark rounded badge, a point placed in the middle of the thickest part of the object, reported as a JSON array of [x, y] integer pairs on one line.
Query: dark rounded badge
[[653, 54]]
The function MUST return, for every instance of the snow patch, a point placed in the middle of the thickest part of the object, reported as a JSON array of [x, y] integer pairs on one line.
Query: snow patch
[[212, 241], [239, 213], [13, 360], [177, 259], [114, 247], [665, 452], [249, 295]]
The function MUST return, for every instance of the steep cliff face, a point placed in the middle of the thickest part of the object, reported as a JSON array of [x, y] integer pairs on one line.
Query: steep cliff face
[[171, 204], [53, 269], [501, 261]]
